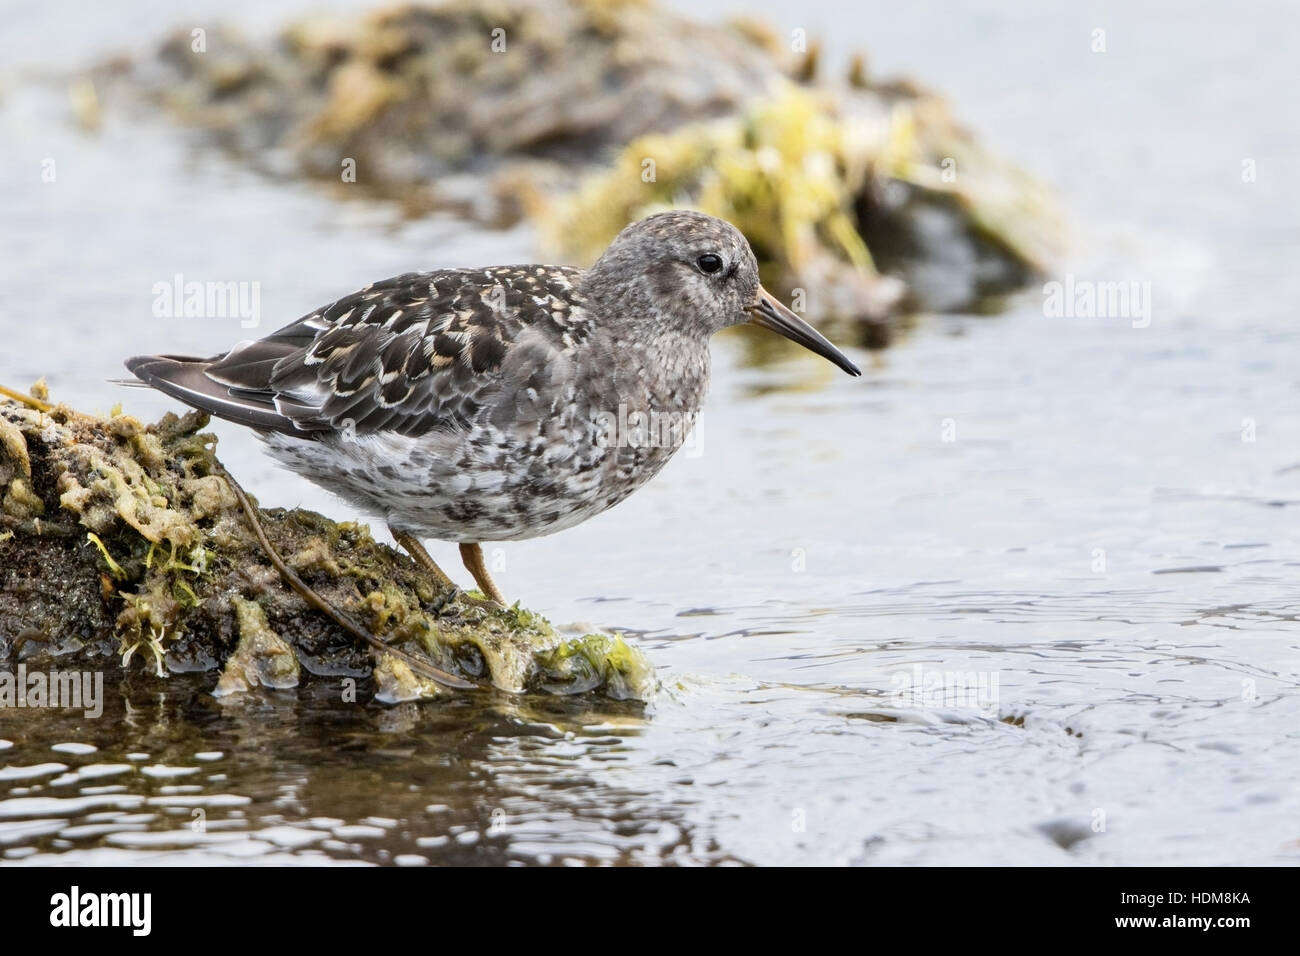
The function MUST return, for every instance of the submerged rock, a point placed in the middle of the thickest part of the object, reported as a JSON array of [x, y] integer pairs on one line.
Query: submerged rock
[[414, 92], [856, 207], [123, 541], [587, 114]]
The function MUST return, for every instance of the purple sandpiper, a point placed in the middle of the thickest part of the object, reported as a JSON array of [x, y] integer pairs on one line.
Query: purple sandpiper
[[475, 405]]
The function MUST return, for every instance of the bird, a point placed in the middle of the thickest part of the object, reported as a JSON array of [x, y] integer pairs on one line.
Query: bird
[[496, 404]]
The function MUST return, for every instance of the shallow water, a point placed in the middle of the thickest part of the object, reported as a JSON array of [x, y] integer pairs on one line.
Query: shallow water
[[1097, 545]]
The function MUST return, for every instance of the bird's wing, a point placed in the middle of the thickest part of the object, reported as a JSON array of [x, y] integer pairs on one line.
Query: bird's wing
[[416, 352]]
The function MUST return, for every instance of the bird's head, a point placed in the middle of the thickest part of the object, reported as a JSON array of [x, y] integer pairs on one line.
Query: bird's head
[[698, 273]]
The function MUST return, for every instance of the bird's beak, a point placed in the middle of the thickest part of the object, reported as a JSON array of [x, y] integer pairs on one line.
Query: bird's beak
[[771, 314]]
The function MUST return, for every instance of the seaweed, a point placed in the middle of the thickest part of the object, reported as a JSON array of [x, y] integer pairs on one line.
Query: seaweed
[[585, 115], [831, 198], [124, 542]]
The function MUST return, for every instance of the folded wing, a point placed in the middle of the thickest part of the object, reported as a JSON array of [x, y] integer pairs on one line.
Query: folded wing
[[408, 354]]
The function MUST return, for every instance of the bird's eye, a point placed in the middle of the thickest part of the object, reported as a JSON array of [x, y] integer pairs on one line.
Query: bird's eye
[[709, 263]]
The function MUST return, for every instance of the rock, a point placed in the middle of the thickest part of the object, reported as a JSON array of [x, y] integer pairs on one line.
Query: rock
[[587, 114], [126, 541]]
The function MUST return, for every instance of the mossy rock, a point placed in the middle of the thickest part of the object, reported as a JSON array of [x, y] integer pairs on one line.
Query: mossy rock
[[123, 541], [865, 201]]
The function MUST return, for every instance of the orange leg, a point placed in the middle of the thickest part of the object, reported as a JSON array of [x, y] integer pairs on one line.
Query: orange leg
[[472, 556], [416, 550]]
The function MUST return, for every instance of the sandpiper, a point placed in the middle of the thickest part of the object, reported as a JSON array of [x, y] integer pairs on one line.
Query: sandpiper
[[474, 405]]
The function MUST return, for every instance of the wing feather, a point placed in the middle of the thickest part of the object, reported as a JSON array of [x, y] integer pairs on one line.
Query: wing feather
[[417, 352]]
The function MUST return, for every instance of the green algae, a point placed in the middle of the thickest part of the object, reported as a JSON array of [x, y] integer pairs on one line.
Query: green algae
[[594, 660], [262, 658], [798, 172], [144, 543]]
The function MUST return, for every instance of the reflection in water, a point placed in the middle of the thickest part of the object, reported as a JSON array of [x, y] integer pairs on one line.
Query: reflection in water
[[480, 780], [829, 757]]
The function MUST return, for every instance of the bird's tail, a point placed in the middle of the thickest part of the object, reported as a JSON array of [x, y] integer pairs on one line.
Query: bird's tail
[[185, 378]]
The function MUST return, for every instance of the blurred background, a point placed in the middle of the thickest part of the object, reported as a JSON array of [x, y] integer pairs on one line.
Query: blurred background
[[1094, 513]]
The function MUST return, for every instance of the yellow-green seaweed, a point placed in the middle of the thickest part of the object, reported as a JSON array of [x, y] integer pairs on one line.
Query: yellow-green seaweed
[[140, 549], [791, 172]]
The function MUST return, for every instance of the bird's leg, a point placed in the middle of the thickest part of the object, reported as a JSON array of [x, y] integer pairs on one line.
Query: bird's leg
[[422, 557], [416, 550], [472, 556]]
